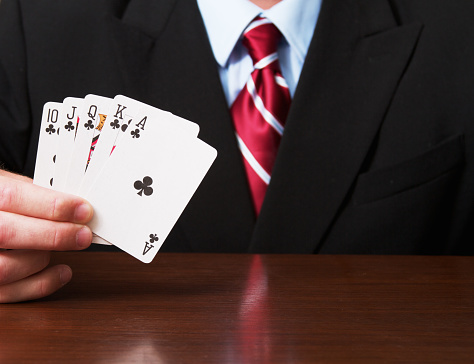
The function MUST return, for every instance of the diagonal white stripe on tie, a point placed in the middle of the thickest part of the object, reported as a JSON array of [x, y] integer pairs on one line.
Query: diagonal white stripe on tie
[[264, 62], [267, 115], [265, 177], [281, 81]]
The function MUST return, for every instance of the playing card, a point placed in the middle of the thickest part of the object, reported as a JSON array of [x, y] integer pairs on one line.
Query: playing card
[[173, 125], [138, 114], [121, 112], [129, 119], [139, 196], [47, 145], [92, 118], [69, 120]]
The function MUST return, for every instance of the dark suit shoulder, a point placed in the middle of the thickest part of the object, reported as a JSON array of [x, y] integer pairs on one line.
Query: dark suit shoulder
[[71, 9], [429, 11]]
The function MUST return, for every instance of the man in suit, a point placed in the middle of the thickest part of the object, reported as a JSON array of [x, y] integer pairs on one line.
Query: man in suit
[[376, 156]]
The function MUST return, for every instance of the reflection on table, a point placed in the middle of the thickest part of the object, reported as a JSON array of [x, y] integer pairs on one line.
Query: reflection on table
[[223, 308]]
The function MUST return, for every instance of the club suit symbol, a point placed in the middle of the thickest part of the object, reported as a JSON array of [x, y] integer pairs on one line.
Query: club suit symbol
[[89, 125], [149, 245], [115, 124], [50, 129], [143, 186], [69, 126], [135, 133]]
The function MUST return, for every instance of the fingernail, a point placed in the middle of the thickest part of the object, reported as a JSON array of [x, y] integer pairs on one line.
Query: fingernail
[[65, 275], [83, 213], [84, 237]]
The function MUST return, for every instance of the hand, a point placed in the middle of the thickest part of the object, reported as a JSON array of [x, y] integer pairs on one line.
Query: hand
[[33, 221]]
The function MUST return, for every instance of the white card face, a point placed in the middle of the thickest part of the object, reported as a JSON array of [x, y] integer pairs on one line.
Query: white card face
[[128, 117], [142, 113], [92, 119], [120, 112], [69, 120], [47, 145], [145, 186]]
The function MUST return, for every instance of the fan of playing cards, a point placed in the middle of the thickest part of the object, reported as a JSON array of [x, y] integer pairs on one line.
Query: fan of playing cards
[[137, 165]]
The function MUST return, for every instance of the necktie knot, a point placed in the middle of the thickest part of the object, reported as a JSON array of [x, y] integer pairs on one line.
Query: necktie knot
[[261, 39], [260, 109]]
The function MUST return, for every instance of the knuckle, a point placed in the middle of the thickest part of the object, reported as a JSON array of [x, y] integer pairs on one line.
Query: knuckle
[[61, 236], [7, 233], [44, 286], [55, 208], [56, 239], [60, 209], [9, 196], [41, 288]]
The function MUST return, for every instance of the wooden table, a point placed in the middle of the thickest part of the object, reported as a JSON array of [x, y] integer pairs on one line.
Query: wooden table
[[214, 308]]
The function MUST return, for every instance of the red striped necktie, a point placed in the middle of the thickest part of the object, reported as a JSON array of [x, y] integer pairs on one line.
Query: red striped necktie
[[260, 109]]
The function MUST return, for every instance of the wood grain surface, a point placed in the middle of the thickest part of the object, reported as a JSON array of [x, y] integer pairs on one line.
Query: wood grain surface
[[216, 308]]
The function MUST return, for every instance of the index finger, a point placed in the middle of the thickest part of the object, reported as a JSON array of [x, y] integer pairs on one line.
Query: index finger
[[20, 196]]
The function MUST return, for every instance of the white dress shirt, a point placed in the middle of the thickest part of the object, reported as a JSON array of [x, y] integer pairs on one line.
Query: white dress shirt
[[225, 21]]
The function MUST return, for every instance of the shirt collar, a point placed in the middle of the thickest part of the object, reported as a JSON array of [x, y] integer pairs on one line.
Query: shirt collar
[[226, 20]]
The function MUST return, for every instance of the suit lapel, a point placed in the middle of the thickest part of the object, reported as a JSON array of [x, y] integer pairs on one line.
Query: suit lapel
[[355, 61], [166, 61]]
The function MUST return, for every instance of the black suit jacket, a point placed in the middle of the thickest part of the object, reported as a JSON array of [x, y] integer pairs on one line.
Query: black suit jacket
[[377, 154]]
